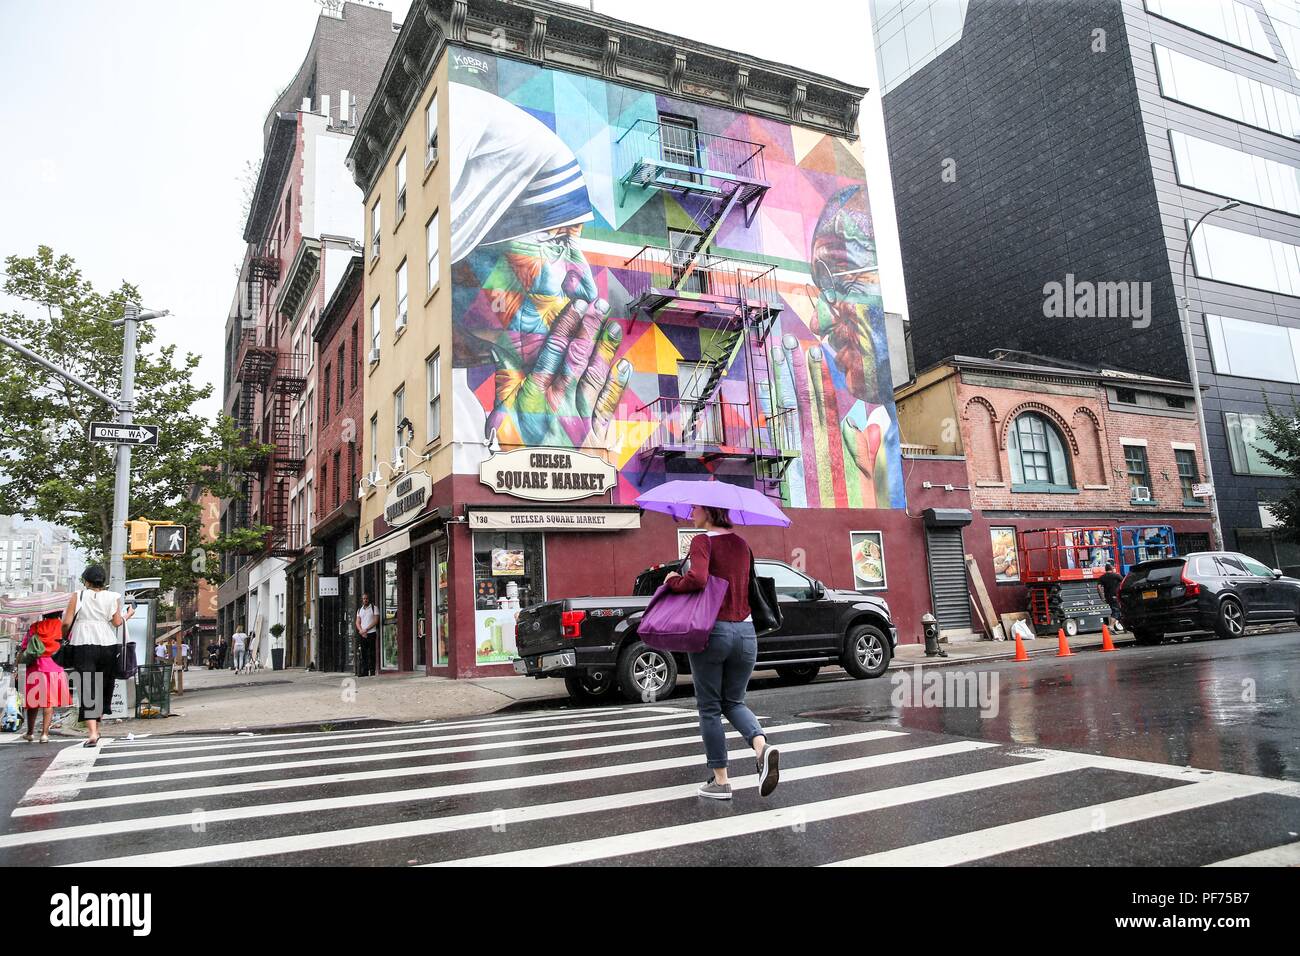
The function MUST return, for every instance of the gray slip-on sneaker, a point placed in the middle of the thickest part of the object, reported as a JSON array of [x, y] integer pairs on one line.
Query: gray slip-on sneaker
[[769, 771], [714, 790]]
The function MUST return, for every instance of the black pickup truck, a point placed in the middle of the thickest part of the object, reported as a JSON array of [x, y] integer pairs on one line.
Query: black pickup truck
[[592, 643]]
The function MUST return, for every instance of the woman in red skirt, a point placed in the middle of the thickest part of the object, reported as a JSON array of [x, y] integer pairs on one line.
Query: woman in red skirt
[[46, 686]]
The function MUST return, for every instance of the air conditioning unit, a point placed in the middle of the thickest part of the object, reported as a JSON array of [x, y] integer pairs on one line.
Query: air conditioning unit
[[374, 356], [401, 320], [1140, 493], [431, 156], [374, 247], [401, 204]]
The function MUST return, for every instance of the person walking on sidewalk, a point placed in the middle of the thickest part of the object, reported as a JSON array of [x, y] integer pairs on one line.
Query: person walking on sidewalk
[[1109, 583], [721, 671], [46, 684], [367, 624], [91, 620], [237, 642]]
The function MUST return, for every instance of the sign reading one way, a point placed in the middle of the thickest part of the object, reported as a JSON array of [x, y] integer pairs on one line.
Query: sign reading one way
[[112, 433]]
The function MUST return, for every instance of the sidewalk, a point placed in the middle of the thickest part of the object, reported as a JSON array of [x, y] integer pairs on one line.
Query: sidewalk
[[223, 701]]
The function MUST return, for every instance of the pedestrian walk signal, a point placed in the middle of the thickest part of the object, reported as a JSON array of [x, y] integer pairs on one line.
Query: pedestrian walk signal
[[138, 536], [168, 540]]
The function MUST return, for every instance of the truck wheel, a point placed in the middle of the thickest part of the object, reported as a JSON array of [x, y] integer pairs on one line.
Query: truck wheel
[[590, 687], [797, 673], [1146, 638], [1231, 620], [866, 652], [646, 675]]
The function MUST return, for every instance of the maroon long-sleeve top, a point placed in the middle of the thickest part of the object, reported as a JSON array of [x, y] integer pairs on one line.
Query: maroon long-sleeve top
[[725, 556]]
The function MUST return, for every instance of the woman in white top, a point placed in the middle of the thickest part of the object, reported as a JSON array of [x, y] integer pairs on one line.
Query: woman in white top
[[91, 620], [237, 641]]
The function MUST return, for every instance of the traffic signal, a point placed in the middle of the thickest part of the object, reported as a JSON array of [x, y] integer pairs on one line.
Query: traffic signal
[[137, 536], [168, 540]]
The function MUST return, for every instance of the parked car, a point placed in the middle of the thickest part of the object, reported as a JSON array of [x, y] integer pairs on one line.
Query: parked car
[[593, 645], [1217, 591]]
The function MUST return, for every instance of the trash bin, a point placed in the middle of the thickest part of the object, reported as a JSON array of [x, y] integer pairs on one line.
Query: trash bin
[[277, 658], [153, 690]]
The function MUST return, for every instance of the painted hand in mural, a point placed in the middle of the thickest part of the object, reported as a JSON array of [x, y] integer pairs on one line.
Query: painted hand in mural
[[556, 379]]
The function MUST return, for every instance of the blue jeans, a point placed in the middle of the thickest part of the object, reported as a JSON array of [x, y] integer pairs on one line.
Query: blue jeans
[[721, 674]]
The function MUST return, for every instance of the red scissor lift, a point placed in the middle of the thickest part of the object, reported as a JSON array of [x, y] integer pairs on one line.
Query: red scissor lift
[[1059, 566]]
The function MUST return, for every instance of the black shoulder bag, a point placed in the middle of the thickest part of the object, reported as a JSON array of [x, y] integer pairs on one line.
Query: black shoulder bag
[[763, 605], [124, 667]]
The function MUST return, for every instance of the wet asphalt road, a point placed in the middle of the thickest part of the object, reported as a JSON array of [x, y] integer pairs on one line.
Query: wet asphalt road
[[1059, 761]]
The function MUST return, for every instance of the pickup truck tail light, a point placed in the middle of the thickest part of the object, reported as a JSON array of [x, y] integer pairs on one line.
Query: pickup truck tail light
[[571, 623], [1190, 587]]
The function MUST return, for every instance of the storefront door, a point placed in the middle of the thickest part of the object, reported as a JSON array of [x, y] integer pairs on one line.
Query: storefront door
[[509, 574], [388, 616], [441, 614], [419, 612]]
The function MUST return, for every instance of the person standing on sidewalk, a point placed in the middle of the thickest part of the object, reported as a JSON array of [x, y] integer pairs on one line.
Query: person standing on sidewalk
[[721, 671], [367, 624], [91, 620], [1109, 583], [237, 641]]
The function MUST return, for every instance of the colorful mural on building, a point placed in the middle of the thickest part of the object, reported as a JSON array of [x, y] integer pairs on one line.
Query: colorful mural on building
[[549, 349]]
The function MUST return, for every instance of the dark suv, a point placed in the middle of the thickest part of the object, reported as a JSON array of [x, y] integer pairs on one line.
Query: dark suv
[[1217, 591]]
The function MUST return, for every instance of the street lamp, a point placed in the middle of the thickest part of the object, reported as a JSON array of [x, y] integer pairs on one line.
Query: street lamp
[[1186, 322]]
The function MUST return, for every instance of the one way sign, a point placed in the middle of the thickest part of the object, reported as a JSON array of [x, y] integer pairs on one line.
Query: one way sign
[[112, 433]]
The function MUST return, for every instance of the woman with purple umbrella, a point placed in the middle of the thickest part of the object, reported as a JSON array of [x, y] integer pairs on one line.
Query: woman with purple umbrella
[[722, 670]]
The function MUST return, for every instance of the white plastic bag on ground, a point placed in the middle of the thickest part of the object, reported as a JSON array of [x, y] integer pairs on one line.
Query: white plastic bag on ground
[[1022, 630]]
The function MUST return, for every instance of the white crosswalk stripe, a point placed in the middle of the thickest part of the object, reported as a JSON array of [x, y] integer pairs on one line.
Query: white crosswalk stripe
[[611, 784]]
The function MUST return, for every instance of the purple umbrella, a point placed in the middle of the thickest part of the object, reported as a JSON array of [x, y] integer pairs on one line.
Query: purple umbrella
[[744, 505]]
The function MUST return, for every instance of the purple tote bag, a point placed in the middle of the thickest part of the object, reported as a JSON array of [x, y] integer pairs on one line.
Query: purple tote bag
[[682, 622]]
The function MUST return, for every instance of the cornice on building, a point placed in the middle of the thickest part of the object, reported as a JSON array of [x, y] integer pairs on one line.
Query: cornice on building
[[561, 36]]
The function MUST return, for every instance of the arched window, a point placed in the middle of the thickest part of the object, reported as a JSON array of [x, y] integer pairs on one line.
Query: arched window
[[1037, 453]]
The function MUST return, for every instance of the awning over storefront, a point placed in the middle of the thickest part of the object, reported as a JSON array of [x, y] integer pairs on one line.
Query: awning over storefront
[[554, 519], [946, 517], [394, 542]]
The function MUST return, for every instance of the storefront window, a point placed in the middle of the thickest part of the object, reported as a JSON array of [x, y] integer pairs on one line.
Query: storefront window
[[442, 621], [388, 629], [509, 574]]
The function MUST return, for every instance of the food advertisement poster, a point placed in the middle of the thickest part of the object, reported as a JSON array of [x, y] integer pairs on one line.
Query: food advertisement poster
[[1006, 565], [507, 562], [494, 637], [868, 560]]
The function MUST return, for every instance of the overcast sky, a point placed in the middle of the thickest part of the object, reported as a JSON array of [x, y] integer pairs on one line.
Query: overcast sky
[[131, 123]]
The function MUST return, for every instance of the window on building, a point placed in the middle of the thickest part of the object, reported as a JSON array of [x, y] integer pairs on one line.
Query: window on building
[[401, 434], [1226, 20], [679, 142], [1174, 401], [431, 251], [374, 229], [374, 331], [1037, 453], [1225, 93], [325, 397], [1126, 396], [1235, 174], [1188, 474], [334, 488], [1139, 475], [356, 359], [352, 469], [401, 296], [431, 130], [374, 447], [324, 483], [682, 247], [311, 419], [1240, 258], [1254, 349], [433, 391], [401, 188], [1245, 441], [339, 388], [288, 213]]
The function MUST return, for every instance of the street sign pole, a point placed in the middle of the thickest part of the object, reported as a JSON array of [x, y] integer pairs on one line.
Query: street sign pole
[[122, 480]]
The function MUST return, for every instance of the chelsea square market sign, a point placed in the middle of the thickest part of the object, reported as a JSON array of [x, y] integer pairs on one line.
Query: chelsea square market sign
[[547, 474]]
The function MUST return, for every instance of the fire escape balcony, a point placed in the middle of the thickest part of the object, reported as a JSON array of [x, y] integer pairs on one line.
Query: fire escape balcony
[[679, 281], [710, 429], [264, 264], [688, 161], [289, 374], [256, 356], [288, 454]]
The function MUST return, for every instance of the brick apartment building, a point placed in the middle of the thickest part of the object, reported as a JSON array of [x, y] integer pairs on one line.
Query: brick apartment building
[[1054, 444]]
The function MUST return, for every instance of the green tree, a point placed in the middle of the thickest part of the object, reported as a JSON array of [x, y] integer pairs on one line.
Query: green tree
[[1280, 447], [48, 467]]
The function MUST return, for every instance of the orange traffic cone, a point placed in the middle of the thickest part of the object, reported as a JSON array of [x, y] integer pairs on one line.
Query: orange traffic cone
[[1021, 653], [1106, 643], [1062, 644]]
